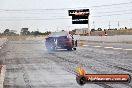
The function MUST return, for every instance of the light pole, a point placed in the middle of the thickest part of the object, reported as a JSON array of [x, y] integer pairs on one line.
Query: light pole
[[88, 27], [118, 24], [93, 24], [109, 25]]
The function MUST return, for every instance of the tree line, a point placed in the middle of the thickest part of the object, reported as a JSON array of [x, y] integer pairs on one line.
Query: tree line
[[24, 32]]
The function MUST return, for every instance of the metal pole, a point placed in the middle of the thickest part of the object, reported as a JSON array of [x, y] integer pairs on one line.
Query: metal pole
[[93, 24], [118, 25], [109, 25], [88, 27]]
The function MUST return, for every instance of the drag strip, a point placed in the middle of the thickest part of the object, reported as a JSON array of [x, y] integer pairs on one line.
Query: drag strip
[[30, 65]]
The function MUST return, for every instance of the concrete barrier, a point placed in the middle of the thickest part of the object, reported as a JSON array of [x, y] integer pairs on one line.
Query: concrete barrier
[[114, 39], [2, 75]]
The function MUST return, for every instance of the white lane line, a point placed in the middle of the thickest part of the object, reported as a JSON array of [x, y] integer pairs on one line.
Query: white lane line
[[117, 48], [128, 49], [97, 46], [85, 45], [108, 47]]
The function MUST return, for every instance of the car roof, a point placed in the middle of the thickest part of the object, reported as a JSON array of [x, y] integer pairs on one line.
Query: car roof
[[58, 34]]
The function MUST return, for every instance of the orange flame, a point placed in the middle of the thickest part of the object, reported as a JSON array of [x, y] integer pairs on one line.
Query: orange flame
[[81, 71]]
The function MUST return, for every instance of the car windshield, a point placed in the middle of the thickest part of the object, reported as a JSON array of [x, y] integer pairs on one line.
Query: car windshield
[[58, 34]]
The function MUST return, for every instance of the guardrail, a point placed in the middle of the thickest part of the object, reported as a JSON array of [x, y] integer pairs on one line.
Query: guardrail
[[114, 39]]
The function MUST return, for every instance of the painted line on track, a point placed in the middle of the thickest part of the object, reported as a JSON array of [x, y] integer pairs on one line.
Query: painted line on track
[[85, 45], [97, 46], [128, 49], [117, 48], [108, 47]]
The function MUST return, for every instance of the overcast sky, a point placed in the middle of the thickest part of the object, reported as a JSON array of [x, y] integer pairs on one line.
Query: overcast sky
[[47, 15]]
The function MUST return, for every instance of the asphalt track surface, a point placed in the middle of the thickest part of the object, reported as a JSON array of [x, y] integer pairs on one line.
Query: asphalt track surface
[[29, 65]]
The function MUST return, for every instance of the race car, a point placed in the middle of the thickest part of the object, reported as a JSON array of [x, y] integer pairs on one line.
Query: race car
[[60, 40]]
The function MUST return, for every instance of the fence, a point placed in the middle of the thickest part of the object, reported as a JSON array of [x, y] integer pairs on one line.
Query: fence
[[112, 32]]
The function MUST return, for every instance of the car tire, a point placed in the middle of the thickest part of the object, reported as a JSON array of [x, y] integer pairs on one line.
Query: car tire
[[50, 47], [76, 43], [74, 48], [69, 49]]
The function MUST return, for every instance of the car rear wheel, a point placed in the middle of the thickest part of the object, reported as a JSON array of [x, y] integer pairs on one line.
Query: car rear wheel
[[74, 48], [69, 49], [51, 47]]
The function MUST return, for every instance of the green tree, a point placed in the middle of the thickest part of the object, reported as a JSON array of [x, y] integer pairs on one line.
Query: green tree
[[6, 31]]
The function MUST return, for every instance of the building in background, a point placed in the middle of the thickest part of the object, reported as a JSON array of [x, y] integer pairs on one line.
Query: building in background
[[24, 31], [82, 31]]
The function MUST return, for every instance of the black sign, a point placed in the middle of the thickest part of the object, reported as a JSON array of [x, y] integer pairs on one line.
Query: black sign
[[80, 12], [79, 21], [79, 17]]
